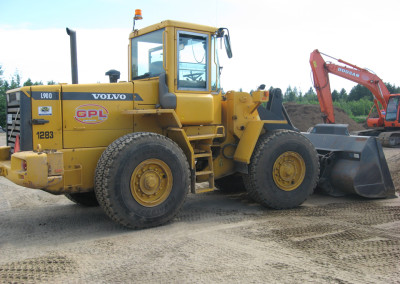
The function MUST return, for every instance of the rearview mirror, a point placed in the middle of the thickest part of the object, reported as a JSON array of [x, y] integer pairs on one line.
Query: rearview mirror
[[221, 33], [228, 45]]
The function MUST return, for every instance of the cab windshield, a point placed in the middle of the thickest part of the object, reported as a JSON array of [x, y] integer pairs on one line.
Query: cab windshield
[[147, 55]]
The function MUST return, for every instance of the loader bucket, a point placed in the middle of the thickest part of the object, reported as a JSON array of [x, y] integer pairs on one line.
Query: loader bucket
[[350, 164]]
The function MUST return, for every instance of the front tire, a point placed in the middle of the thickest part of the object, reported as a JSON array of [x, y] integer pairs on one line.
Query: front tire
[[283, 170], [142, 180]]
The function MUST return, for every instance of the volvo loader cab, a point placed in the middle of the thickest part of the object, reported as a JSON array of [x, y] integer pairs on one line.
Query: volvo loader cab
[[185, 58]]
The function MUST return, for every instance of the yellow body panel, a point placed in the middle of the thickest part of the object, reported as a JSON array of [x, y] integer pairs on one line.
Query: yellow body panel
[[46, 105], [31, 169], [195, 109], [249, 139], [92, 138], [164, 118], [241, 109], [179, 136], [93, 113], [80, 165], [146, 92], [56, 172], [217, 102], [5, 153]]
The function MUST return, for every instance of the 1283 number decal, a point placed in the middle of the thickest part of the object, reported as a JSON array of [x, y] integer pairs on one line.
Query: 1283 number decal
[[45, 134]]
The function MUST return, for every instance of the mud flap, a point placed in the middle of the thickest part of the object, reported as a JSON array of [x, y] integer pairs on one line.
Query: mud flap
[[351, 164]]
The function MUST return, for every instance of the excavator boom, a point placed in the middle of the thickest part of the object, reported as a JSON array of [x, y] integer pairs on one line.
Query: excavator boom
[[322, 86], [321, 70]]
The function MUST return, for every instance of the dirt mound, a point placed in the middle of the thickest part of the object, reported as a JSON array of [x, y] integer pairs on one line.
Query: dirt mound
[[305, 116], [393, 160]]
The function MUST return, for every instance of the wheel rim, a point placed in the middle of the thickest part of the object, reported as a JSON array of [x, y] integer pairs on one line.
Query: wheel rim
[[289, 171], [151, 182]]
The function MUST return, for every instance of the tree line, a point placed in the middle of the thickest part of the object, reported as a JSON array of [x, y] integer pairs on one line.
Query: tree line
[[357, 104], [13, 83]]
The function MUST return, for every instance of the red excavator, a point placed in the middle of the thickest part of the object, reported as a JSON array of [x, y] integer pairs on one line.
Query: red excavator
[[386, 126]]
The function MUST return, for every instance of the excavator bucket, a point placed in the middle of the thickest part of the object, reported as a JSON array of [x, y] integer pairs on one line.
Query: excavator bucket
[[350, 164]]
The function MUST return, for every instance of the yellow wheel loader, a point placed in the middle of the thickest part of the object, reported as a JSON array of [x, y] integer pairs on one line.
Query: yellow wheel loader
[[137, 147]]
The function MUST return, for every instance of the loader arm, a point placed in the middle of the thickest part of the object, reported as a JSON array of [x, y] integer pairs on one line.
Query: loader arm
[[321, 70]]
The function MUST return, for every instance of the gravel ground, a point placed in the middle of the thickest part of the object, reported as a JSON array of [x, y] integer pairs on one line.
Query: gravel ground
[[224, 238]]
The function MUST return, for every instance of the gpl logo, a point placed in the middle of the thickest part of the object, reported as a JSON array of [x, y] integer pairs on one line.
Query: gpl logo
[[91, 114]]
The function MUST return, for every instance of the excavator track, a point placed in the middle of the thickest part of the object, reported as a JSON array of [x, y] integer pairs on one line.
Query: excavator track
[[390, 139]]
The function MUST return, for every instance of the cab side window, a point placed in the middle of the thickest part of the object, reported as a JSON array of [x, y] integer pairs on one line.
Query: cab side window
[[147, 55], [192, 61]]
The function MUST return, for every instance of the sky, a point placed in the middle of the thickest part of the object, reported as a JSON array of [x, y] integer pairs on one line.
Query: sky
[[271, 39]]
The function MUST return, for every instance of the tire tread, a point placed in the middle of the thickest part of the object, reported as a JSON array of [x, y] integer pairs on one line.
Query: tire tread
[[251, 180], [106, 165]]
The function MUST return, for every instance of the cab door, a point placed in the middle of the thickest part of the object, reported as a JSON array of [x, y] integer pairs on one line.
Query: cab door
[[46, 117], [195, 103]]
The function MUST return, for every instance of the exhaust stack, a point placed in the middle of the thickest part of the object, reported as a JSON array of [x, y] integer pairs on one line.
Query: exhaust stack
[[74, 61]]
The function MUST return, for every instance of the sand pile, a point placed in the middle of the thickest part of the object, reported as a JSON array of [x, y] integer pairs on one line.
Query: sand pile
[[305, 116]]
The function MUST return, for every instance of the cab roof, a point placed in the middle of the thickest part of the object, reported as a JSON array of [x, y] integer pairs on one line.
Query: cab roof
[[171, 23]]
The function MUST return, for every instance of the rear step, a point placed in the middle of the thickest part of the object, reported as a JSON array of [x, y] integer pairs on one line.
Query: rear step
[[351, 164]]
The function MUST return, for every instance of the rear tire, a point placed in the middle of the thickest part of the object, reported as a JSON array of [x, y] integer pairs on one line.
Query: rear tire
[[87, 199], [283, 170], [142, 180]]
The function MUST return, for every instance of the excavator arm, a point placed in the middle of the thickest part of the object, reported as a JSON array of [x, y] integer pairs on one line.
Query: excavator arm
[[321, 70], [322, 86]]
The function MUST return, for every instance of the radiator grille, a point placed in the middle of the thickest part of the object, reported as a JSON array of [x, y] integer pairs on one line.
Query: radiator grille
[[13, 118]]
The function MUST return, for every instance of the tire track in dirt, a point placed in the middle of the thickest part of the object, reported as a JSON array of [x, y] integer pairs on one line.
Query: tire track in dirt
[[215, 238], [34, 270]]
